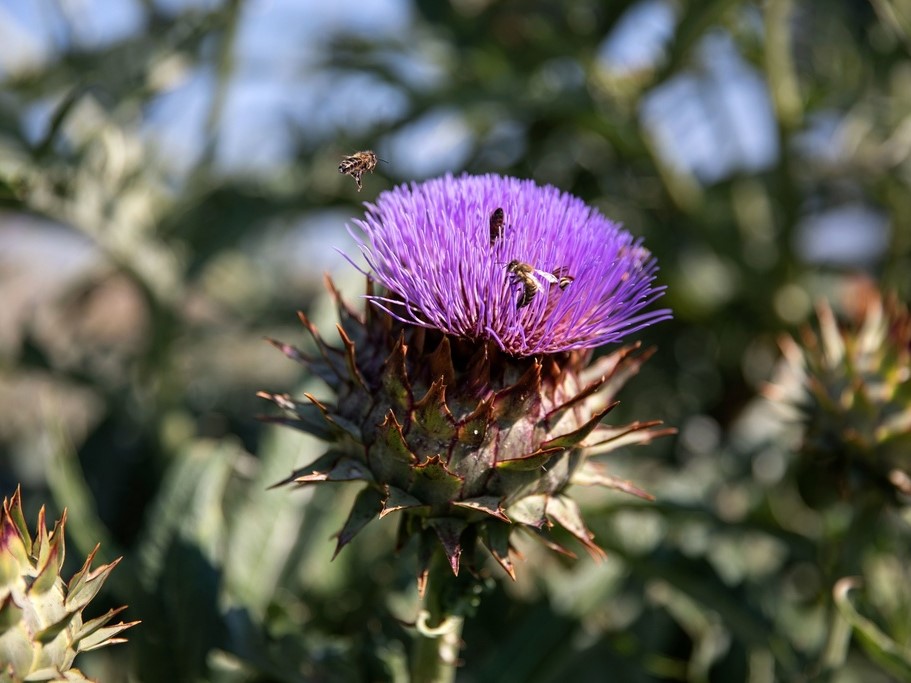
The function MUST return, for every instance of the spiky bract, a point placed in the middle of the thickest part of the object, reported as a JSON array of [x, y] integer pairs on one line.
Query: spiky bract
[[463, 440]]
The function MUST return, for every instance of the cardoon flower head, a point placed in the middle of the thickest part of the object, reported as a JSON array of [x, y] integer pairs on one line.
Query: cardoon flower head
[[430, 246], [466, 398]]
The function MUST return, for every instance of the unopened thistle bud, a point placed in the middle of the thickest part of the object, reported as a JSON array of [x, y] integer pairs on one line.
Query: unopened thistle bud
[[42, 629], [850, 387]]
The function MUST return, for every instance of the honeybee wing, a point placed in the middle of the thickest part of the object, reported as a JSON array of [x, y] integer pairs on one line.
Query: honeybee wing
[[559, 276], [550, 277]]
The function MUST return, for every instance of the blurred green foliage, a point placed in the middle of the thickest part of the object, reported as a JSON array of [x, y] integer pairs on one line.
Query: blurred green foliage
[[138, 282]]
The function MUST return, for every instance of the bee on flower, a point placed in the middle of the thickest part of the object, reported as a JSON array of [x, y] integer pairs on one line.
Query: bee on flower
[[497, 219], [530, 279]]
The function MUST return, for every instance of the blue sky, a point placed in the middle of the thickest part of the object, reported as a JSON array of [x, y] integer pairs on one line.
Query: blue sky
[[710, 121]]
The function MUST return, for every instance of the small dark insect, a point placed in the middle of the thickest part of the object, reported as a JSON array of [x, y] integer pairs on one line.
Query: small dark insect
[[531, 285], [357, 164], [563, 278], [497, 219]]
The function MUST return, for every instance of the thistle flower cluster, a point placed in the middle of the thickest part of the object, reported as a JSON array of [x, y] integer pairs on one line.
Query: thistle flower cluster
[[466, 404]]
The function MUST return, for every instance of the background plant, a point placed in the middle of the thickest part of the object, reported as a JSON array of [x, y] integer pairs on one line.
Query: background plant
[[169, 193]]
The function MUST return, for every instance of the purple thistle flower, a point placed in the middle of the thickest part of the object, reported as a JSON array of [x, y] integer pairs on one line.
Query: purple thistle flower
[[464, 441], [429, 245]]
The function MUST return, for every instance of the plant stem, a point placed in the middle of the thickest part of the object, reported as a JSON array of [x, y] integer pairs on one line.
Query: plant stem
[[439, 637]]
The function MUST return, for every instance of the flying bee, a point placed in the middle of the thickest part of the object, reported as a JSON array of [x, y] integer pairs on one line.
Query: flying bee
[[357, 164], [497, 219], [531, 284]]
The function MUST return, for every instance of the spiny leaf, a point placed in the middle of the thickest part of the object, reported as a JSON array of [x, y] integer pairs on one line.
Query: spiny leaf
[[390, 457], [434, 483], [14, 547], [48, 633], [351, 358], [431, 414], [449, 531], [394, 377], [520, 398], [529, 510], [88, 589], [605, 439], [594, 474], [565, 511], [396, 500], [487, 504], [105, 636], [473, 428], [440, 362], [606, 365], [318, 468], [543, 537], [531, 461], [572, 438], [346, 469], [367, 507], [47, 575], [334, 418], [13, 512], [495, 538], [41, 547], [607, 375], [329, 354], [477, 379], [10, 613], [79, 578], [324, 369], [347, 316], [307, 417], [94, 634]]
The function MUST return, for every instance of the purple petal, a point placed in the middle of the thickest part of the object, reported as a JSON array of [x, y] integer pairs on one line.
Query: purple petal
[[428, 245]]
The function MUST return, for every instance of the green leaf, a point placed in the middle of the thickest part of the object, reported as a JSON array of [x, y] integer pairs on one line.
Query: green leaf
[[399, 500], [890, 655], [449, 531], [530, 462], [572, 438], [367, 507], [434, 483]]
